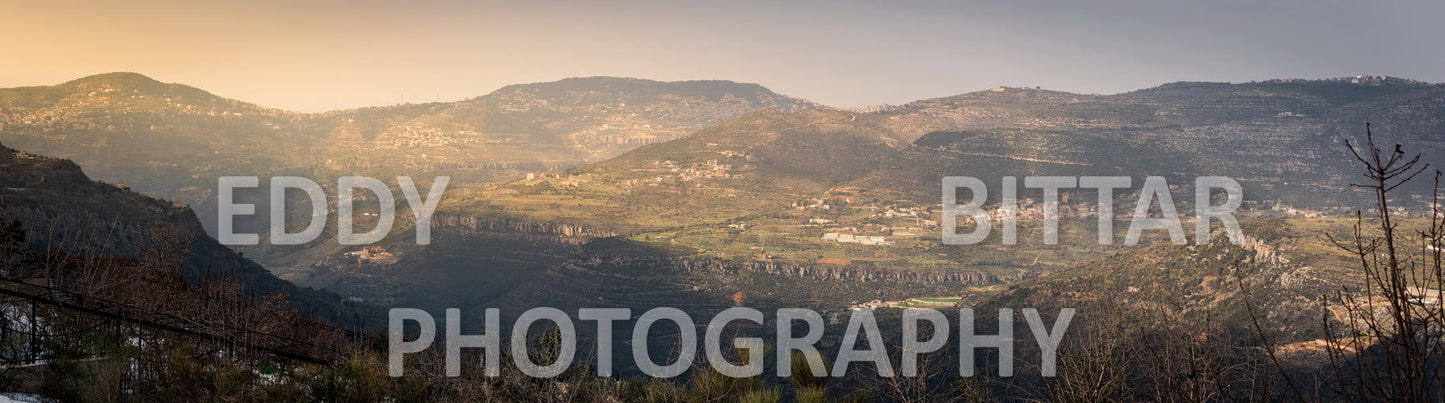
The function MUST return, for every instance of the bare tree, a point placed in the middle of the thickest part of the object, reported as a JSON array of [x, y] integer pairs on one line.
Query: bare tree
[[1390, 344]]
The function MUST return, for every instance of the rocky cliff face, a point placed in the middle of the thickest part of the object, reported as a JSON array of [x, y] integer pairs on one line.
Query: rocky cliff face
[[837, 273], [563, 232]]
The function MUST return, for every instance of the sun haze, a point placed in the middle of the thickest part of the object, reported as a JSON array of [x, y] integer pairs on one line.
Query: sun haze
[[323, 55]]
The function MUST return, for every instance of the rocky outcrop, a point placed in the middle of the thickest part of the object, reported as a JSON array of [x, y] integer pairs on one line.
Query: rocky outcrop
[[568, 233], [838, 273]]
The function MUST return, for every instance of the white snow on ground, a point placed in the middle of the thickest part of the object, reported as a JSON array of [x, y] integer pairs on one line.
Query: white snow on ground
[[20, 398]]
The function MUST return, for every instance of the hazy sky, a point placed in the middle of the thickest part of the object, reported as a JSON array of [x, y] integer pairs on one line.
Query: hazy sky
[[321, 55]]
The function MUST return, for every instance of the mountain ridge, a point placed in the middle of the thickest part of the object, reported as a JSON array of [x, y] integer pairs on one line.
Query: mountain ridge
[[172, 140], [64, 212], [770, 184], [126, 80], [134, 80]]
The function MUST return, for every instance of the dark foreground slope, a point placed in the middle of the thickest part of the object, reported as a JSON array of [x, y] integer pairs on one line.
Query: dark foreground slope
[[63, 212]]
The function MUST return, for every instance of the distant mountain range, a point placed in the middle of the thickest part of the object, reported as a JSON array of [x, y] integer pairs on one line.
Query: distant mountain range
[[768, 188], [173, 140], [1284, 139], [715, 191]]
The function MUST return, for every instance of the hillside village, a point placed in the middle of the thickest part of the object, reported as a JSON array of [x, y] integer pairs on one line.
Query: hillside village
[[860, 217]]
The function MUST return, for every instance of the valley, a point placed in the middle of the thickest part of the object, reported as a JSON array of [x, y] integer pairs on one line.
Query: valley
[[695, 201], [643, 193]]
